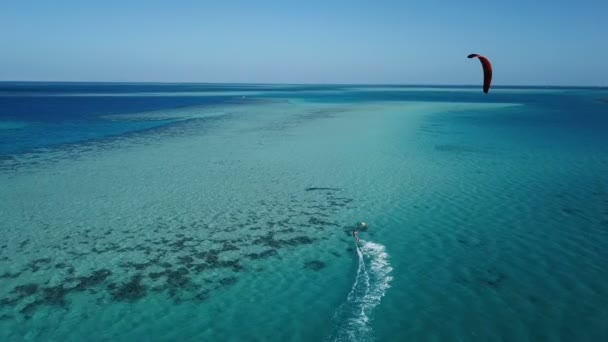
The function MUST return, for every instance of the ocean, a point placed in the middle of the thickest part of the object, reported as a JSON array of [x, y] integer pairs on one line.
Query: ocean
[[224, 212]]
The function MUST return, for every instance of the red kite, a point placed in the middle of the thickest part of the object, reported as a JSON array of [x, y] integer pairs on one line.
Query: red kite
[[487, 71]]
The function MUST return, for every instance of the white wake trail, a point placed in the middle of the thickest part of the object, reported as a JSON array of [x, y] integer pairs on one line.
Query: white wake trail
[[371, 283]]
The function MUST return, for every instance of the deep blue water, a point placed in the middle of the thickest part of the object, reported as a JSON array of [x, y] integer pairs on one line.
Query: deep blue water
[[50, 115], [40, 115]]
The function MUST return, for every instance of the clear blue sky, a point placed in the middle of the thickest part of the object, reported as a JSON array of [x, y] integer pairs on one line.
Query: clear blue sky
[[538, 42]]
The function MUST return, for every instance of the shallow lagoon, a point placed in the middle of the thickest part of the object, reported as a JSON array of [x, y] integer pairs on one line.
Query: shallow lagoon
[[228, 217]]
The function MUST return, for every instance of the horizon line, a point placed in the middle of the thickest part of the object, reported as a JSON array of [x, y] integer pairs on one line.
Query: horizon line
[[309, 84]]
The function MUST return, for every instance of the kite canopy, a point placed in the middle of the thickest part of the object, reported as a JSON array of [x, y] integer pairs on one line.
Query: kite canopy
[[487, 71]]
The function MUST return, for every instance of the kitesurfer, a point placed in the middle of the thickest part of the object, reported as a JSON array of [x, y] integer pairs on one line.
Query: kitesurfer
[[361, 226]]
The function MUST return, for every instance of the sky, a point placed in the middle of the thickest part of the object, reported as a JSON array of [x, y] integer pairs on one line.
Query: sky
[[529, 42]]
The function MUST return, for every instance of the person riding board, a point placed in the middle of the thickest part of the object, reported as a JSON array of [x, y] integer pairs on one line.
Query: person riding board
[[361, 226]]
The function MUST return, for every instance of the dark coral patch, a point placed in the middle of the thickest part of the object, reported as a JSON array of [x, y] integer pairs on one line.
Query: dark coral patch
[[202, 296], [184, 252], [263, 255], [54, 295], [37, 264], [130, 291], [492, 278], [110, 247], [235, 265], [156, 275], [229, 247], [326, 223], [185, 260], [26, 290], [30, 308], [322, 189], [181, 243], [139, 265], [228, 281], [177, 279], [24, 243], [314, 265], [8, 275], [571, 211], [299, 240], [95, 279], [9, 301], [270, 241]]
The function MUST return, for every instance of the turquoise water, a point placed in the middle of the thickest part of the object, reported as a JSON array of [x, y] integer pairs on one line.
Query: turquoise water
[[224, 213]]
